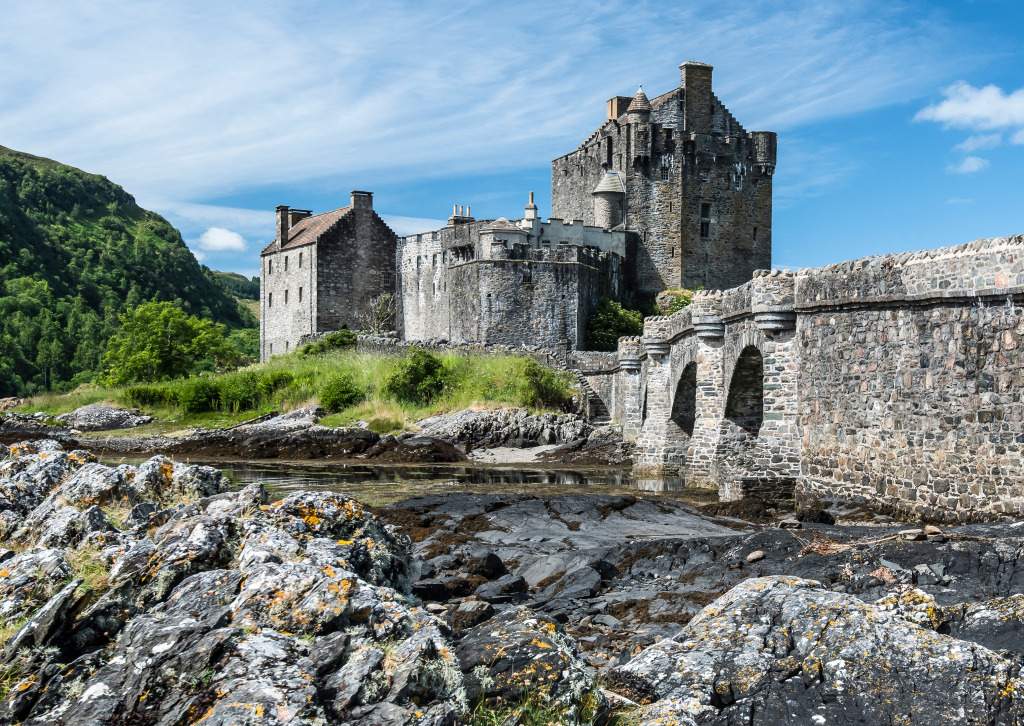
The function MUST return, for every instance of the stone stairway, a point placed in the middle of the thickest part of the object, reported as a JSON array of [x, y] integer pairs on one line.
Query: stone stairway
[[596, 411]]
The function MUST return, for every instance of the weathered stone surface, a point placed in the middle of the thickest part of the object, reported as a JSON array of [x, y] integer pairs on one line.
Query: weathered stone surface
[[504, 427], [103, 417], [791, 649]]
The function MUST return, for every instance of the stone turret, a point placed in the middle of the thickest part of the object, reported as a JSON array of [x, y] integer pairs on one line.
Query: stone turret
[[638, 116], [608, 199]]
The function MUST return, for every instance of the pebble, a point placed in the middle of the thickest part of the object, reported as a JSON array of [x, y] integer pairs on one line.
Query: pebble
[[755, 556]]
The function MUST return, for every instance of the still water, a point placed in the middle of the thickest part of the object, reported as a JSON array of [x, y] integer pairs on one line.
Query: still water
[[385, 484]]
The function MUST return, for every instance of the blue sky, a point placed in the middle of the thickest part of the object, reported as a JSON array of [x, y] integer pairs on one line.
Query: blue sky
[[901, 124]]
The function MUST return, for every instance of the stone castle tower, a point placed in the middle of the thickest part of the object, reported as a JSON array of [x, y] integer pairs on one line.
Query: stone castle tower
[[690, 185]]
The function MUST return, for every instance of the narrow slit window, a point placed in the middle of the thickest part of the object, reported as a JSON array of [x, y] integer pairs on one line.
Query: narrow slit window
[[705, 229], [286, 265], [270, 300], [755, 234], [285, 297], [705, 211], [300, 259], [300, 294], [270, 267]]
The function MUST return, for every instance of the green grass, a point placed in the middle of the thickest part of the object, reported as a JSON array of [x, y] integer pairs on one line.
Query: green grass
[[288, 382]]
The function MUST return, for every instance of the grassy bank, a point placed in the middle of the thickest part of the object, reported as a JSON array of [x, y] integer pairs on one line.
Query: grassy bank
[[289, 382]]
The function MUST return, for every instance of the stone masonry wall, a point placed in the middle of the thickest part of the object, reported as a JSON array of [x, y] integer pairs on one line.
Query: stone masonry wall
[[898, 380], [287, 299]]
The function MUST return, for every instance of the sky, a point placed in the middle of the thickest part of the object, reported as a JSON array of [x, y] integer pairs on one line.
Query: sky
[[901, 124]]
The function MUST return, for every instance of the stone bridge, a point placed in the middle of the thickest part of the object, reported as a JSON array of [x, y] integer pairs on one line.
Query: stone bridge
[[895, 379]]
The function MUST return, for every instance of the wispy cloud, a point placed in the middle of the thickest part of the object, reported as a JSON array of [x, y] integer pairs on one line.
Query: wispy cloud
[[980, 142], [191, 101], [970, 165]]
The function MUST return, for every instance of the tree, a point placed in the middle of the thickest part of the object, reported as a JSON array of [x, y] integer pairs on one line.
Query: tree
[[379, 315], [609, 322], [158, 341]]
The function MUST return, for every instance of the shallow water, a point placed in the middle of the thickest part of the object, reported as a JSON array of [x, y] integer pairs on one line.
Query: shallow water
[[383, 484]]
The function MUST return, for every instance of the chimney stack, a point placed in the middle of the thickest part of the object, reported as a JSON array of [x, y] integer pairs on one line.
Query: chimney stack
[[362, 200], [282, 224]]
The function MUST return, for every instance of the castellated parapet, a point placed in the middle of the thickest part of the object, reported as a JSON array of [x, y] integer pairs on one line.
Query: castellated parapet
[[690, 186]]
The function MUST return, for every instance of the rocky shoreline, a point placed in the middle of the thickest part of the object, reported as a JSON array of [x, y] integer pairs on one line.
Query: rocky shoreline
[[154, 594], [297, 435]]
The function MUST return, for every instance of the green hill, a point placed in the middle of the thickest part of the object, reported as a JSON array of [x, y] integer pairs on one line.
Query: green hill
[[75, 251], [239, 285]]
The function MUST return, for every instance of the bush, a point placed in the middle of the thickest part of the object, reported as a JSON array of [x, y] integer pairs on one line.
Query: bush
[[329, 343], [147, 396], [339, 393], [609, 322], [543, 388], [420, 379], [197, 395]]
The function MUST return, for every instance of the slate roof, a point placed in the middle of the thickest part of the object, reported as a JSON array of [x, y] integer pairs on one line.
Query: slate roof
[[639, 102], [611, 182], [503, 224], [306, 231]]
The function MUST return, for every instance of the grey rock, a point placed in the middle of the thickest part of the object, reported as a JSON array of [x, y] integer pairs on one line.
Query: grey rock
[[103, 417], [504, 589]]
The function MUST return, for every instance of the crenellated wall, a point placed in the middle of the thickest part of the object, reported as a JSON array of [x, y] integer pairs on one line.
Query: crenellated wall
[[896, 379]]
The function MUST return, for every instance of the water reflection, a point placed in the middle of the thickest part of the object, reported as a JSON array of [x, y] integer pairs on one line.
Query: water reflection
[[382, 484]]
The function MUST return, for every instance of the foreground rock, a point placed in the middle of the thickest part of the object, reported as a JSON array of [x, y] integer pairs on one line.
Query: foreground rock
[[216, 606], [103, 417], [792, 651]]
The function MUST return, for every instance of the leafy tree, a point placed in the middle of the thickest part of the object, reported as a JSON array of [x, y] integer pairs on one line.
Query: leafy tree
[[159, 341], [611, 321]]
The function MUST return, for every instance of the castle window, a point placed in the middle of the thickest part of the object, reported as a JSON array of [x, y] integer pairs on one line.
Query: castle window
[[270, 267], [300, 259], [271, 349], [434, 262], [286, 344], [300, 294], [270, 300], [705, 210], [703, 176], [608, 153], [286, 264], [668, 134], [755, 234], [664, 173], [285, 297], [388, 281], [705, 229]]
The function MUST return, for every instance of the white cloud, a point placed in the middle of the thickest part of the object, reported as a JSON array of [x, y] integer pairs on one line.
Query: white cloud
[[218, 239], [193, 100], [970, 165], [959, 201], [200, 256], [967, 107], [979, 142], [1018, 138]]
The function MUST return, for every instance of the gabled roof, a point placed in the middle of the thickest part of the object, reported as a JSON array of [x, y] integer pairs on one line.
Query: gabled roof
[[503, 224], [306, 231]]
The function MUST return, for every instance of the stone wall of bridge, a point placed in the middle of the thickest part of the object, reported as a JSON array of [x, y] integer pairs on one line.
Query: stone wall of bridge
[[895, 379]]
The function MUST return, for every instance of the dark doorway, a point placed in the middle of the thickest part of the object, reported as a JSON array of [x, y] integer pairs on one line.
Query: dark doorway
[[745, 404]]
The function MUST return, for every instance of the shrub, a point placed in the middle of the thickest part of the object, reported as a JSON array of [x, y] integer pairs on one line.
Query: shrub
[[147, 396], [420, 379], [540, 387], [329, 343], [196, 395], [609, 322], [340, 392]]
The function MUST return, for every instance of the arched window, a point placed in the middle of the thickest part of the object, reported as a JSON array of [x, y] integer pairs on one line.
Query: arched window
[[745, 404], [684, 405]]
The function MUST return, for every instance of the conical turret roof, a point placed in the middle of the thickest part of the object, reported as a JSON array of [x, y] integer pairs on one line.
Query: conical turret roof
[[640, 102]]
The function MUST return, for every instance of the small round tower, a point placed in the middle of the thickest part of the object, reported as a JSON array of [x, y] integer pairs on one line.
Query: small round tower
[[609, 196]]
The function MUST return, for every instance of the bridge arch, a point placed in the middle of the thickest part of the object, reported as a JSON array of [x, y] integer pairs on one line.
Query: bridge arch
[[744, 404], [684, 400]]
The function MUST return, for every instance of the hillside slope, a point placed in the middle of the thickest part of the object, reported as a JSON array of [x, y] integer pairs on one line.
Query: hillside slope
[[75, 251]]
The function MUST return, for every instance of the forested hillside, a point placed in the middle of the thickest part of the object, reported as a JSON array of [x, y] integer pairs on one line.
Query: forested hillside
[[75, 251]]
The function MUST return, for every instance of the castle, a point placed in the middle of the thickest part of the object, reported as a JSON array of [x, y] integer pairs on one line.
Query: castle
[[664, 194]]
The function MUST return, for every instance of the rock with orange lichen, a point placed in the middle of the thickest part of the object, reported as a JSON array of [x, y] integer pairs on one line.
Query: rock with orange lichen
[[27, 580], [790, 651], [997, 624], [161, 478], [521, 653]]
